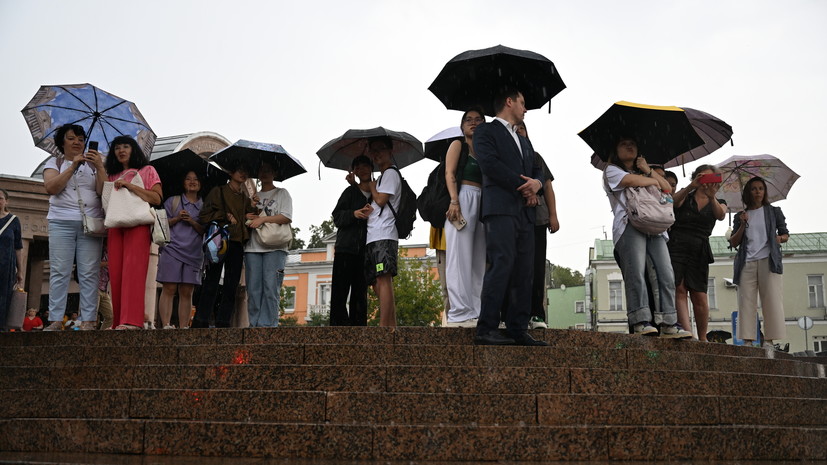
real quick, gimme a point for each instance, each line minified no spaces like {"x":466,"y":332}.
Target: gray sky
{"x":301,"y":73}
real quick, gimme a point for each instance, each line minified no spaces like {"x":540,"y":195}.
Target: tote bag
{"x":123,"y":208}
{"x":275,"y":235}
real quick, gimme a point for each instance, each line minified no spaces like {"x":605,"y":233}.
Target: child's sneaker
{"x":644,"y":329}
{"x":674,"y":332}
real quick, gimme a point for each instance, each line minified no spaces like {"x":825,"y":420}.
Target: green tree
{"x":317,"y":233}
{"x":417,"y":293}
{"x":296,"y":243}
{"x":285,"y":294}
{"x":560,"y":275}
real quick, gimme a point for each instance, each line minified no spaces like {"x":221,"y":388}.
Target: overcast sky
{"x":301,"y":73}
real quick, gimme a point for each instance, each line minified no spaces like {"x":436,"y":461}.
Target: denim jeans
{"x":68,"y":244}
{"x":632,"y":250}
{"x":264,"y":275}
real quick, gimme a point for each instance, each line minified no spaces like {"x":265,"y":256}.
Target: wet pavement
{"x":53,"y":458}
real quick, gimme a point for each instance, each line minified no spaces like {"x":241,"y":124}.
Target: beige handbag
{"x":275,"y":235}
{"x":123,"y":208}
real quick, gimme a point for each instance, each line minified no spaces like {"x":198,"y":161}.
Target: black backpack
{"x":434,"y":200}
{"x":407,"y":208}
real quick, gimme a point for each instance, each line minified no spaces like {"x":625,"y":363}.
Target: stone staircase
{"x":406,"y":394}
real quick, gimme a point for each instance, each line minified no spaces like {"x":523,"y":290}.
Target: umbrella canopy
{"x":737,"y":170}
{"x":174,"y":167}
{"x":437,"y":146}
{"x":661,"y":132}
{"x":102,"y":115}
{"x":340,"y":152}
{"x":719,"y":336}
{"x":714,"y":132}
{"x":475,"y":77}
{"x":252,"y":154}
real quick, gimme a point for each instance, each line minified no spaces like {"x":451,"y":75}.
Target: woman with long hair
{"x":696,"y":211}
{"x":74,"y":181}
{"x":464,"y":232}
{"x":11,"y":256}
{"x":129,"y":248}
{"x":180,"y":261}
{"x":627,"y":169}
{"x":758,"y":232}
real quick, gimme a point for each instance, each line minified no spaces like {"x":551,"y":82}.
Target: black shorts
{"x":380,"y":259}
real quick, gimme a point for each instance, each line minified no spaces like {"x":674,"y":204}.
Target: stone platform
{"x":404,"y":394}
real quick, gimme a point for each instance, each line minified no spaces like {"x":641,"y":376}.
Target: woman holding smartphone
{"x":696,"y":211}
{"x":73,"y":181}
{"x":464,"y":232}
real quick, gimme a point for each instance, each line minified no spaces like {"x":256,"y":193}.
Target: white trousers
{"x":465,"y":251}
{"x":756,"y":278}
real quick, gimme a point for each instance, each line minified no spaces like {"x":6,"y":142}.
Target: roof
{"x":804,"y":243}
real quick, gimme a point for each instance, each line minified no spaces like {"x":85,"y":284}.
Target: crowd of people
{"x":490,"y":249}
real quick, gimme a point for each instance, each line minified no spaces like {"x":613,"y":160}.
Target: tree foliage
{"x":296,"y":243}
{"x":560,"y":275}
{"x":416,"y":291}
{"x":317,"y":233}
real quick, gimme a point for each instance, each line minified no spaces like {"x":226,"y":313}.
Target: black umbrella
{"x":475,"y":77}
{"x":174,"y":167}
{"x":251,"y":154}
{"x":437,"y":146}
{"x":715,"y":132}
{"x":662,"y":133}
{"x":718,"y":335}
{"x":340,"y":152}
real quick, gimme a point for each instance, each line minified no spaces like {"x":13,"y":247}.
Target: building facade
{"x":805,"y":264}
{"x":568,"y":308}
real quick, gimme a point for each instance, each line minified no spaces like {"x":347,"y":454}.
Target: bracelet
{"x":455,"y":202}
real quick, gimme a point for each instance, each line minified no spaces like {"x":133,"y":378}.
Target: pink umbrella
{"x":737,"y":170}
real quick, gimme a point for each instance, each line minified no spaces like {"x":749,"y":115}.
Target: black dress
{"x":689,"y":244}
{"x":10,"y":241}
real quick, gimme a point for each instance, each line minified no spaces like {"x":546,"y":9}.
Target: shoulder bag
{"x":91,"y":226}
{"x":277,"y":236}
{"x":125,"y":209}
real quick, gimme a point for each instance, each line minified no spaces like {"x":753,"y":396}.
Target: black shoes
{"x":493,"y":338}
{"x":525,"y":339}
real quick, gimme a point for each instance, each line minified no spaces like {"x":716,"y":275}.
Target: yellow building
{"x":805,"y":264}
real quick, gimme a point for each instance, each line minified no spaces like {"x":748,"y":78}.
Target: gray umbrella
{"x":340,"y":152}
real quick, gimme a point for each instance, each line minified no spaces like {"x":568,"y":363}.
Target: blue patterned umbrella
{"x":251,"y":154}
{"x":104,"y":116}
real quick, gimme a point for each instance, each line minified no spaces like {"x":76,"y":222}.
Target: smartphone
{"x":710,"y":178}
{"x":459,"y":223}
{"x":93,"y":145}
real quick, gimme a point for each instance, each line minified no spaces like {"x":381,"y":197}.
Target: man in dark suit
{"x":511,"y":181}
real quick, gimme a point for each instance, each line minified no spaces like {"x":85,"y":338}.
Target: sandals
{"x":127,"y":328}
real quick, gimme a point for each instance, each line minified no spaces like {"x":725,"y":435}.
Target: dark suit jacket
{"x":502,"y":163}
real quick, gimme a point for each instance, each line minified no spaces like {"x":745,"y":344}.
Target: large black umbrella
{"x":251,"y":154}
{"x":340,"y":152}
{"x":475,"y":77}
{"x":174,"y":167}
{"x":661,"y":132}
{"x":437,"y":146}
{"x":715,"y":132}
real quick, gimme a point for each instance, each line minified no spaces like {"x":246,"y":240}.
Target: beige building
{"x":805,"y":265}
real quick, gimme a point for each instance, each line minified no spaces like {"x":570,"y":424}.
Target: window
{"x":820,"y":345}
{"x":815,"y":290}
{"x":615,"y":296}
{"x":289,"y":294}
{"x":710,"y":294}
{"x":580,"y":307}
{"x":580,"y":326}
{"x":324,"y":294}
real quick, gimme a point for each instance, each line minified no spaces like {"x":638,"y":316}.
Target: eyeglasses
{"x":473,"y":120}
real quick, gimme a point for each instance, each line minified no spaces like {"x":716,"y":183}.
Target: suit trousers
{"x":509,"y":242}
{"x":756,"y":278}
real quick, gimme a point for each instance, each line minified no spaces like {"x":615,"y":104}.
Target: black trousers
{"x":509,"y":244}
{"x":349,"y":277}
{"x":538,"y":283}
{"x":232,"y":265}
